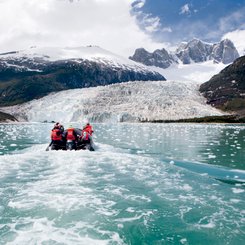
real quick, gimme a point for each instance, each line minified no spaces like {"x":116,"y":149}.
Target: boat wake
{"x":111,"y":196}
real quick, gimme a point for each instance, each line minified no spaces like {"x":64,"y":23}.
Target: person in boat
{"x":57,"y":141}
{"x":85,"y":140}
{"x":71,"y":138}
{"x":88,"y":128}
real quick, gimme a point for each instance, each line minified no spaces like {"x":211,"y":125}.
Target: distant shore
{"x":5,"y":117}
{"x":209,"y":119}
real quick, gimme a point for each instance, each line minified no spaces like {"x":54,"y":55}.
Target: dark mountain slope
{"x":227,"y":89}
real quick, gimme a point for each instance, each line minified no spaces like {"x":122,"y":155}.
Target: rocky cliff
{"x":227,"y":89}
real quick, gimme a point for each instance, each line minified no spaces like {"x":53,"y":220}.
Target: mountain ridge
{"x":193,"y":51}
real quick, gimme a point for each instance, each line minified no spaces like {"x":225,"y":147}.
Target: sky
{"x":181,"y":20}
{"x":120,"y":26}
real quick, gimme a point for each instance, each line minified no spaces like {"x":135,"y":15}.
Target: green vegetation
{"x":235,"y":104}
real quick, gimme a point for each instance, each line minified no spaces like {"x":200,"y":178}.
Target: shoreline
{"x":8,"y":118}
{"x":210,"y":119}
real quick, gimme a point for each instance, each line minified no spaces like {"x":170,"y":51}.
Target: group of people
{"x":71,"y":138}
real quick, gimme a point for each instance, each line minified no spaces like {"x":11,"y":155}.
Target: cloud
{"x":237,"y":37}
{"x":147,"y":22}
{"x":107,"y":23}
{"x":185,"y":9}
{"x":139,"y":4}
{"x":228,"y":22}
{"x":167,"y":29}
{"x":151,"y":24}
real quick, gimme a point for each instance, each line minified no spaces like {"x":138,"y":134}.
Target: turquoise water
{"x":144,"y":184}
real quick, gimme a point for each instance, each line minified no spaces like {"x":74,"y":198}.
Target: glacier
{"x":124,"y":102}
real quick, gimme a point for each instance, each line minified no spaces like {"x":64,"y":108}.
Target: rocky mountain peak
{"x":188,"y":52}
{"x":224,"y":52}
{"x":194,"y":51}
{"x":160,"y":57}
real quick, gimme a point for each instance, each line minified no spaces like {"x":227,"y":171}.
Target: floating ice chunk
{"x":186,"y":187}
{"x":237,"y":190}
{"x":235,"y":200}
{"x":183,"y":241}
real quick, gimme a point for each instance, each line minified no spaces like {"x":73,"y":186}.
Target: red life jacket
{"x":88,"y":128}
{"x":70,"y":134}
{"x":56,"y":134}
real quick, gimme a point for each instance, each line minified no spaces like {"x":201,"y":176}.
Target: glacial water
{"x":144,"y":184}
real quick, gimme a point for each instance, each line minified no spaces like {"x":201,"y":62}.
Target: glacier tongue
{"x":124,"y":102}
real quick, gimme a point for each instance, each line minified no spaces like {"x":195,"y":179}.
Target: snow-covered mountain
{"x":198,"y":51}
{"x":35,"y":72}
{"x":195,"y":51}
{"x":124,"y":102}
{"x":37,"y":55}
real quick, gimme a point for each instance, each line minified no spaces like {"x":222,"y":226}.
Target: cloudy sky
{"x":180,"y":20}
{"x":118,"y":25}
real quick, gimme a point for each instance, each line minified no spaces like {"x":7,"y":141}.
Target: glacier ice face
{"x":124,"y":102}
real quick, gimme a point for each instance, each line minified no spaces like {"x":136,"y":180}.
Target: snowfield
{"x":195,"y":72}
{"x":35,"y":55}
{"x":124,"y":102}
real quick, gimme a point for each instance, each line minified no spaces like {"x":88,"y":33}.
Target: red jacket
{"x":71,"y":135}
{"x":56,"y":134}
{"x":88,"y":128}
